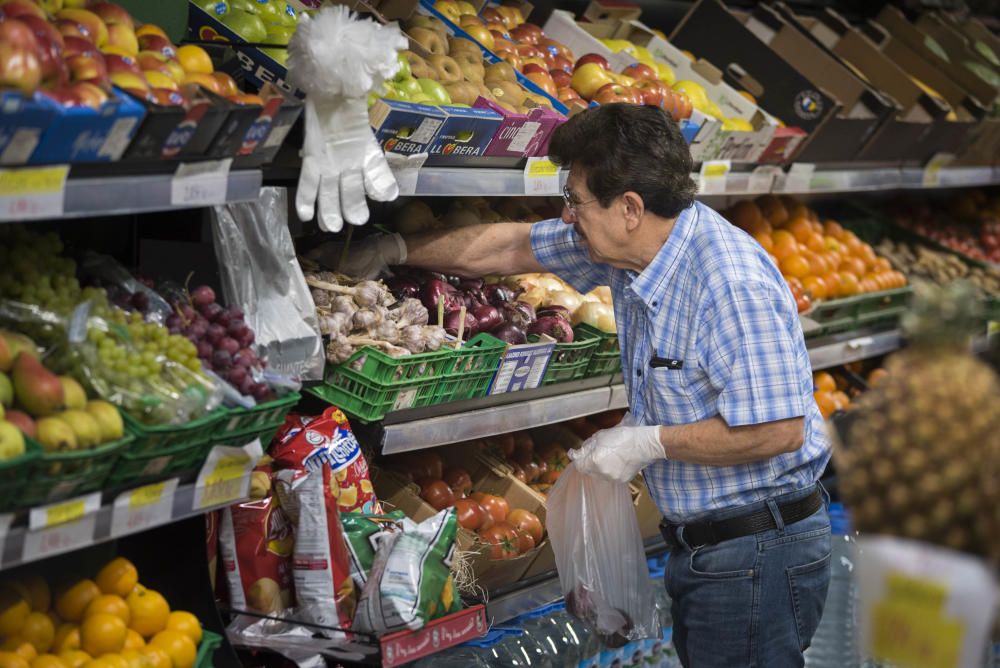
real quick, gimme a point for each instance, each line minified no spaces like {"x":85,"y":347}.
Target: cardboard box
{"x":24,"y":121}
{"x":282,"y":119}
{"x":464,"y":136}
{"x":172,"y":132}
{"x":611,"y":11}
{"x":82,"y":134}
{"x":521,"y":135}
{"x":960,"y":51}
{"x":405,"y":127}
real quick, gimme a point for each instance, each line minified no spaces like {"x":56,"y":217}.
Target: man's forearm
{"x":715,"y":443}
{"x":476,"y":250}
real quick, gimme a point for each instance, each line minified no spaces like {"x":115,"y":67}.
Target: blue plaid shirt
{"x":714,"y":300}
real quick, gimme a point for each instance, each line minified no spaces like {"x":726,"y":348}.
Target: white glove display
{"x":619,"y":453}
{"x":367,"y":258}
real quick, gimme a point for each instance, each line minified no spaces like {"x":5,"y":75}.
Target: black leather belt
{"x":698,"y":534}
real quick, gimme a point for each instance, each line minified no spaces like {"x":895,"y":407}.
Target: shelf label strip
{"x":143,"y":507}
{"x":61,"y":527}
{"x":541,"y":177}
{"x":713,"y":177}
{"x":33,"y":192}
{"x":200,"y":183}
{"x":225,"y":476}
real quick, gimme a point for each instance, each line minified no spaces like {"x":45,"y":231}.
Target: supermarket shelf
{"x":459,"y":181}
{"x":951,"y":177}
{"x":851,"y":347}
{"x":141,"y":193}
{"x":22,"y":545}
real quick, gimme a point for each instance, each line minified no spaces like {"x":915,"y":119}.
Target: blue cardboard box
{"x":23,"y":121}
{"x":83,"y":134}
{"x":465,"y":133}
{"x":405,"y":127}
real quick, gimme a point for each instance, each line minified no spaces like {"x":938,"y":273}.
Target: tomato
{"x":470,"y":514}
{"x":428,"y":464}
{"x":522,"y":458}
{"x":436,"y":493}
{"x":532,"y":470}
{"x":496,"y":506}
{"x":459,"y":481}
{"x":528,"y":522}
{"x":543,"y":468}
{"x":523,"y":442}
{"x":499,"y":539}
{"x":551,"y":477}
{"x":525,"y":543}
{"x":504,"y":443}
{"x":519,"y":473}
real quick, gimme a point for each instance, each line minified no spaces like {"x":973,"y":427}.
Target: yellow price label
{"x":911,"y":627}
{"x":146,"y":495}
{"x":65,"y":512}
{"x":715,"y":170}
{"x":542,"y":168}
{"x":229,"y":467}
{"x":32,"y":181}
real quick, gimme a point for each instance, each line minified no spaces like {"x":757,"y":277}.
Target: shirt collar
{"x":648,"y":285}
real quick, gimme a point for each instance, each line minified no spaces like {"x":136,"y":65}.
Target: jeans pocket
{"x":808,"y":584}
{"x":735,"y":558}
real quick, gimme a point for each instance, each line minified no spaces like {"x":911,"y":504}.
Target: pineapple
{"x":921,"y":456}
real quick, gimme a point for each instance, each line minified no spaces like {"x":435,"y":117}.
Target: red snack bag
{"x":255,"y":543}
{"x":327,"y":444}
{"x":294,"y":423}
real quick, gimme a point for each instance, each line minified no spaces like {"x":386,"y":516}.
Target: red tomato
{"x":470,"y":514}
{"x":532,"y":471}
{"x":525,"y":543}
{"x":519,"y":473}
{"x":504,"y":443}
{"x":500,"y":542}
{"x":459,"y":481}
{"x":428,"y":465}
{"x":436,"y":493}
{"x":496,"y":506}
{"x":523,"y":442}
{"x":522,"y":520}
{"x":510,"y":534}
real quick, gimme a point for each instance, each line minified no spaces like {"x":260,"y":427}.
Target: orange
{"x":111,"y":604}
{"x":133,"y":640}
{"x":156,"y":657}
{"x":882,"y":265}
{"x":832,"y":228}
{"x":20,"y":647}
{"x":39,"y":631}
{"x":118,"y":576}
{"x":817,"y":226}
{"x":841,"y":399}
{"x":73,"y":601}
{"x":853,"y":244}
{"x":900,"y":278}
{"x":832,"y":281}
{"x":782,"y":236}
{"x":796,"y":210}
{"x":867,"y":253}
{"x":149,"y":611}
{"x":35,"y":590}
{"x":852,"y":265}
{"x":193,"y":59}
{"x":102,"y":633}
{"x":772,"y":209}
{"x":745,"y":214}
{"x":784,"y":248}
{"x":815,"y":286}
{"x":11,"y":660}
{"x":814,"y":242}
{"x":48,"y":661}
{"x":795,"y":285}
{"x":764,"y":239}
{"x":14,"y":611}
{"x":760,"y":227}
{"x":848,"y":284}
{"x":826,"y":403}
{"x":800,"y":229}
{"x":133,"y":658}
{"x":67,"y":637}
{"x":794,"y":265}
{"x":101,"y":662}
{"x":876,"y":376}
{"x":817,"y":263}
{"x":186,"y":623}
{"x":824,"y":381}
{"x":832,"y":243}
{"x":179,"y":648}
{"x":115,"y":660}
{"x":74,"y":658}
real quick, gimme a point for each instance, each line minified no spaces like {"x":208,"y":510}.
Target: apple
{"x":588,"y":78}
{"x":64,"y":95}
{"x":246,"y":25}
{"x":499,"y":30}
{"x":215,"y":8}
{"x":394,"y":93}
{"x":269,"y":12}
{"x":612,"y":92}
{"x":567,"y":96}
{"x":122,"y":64}
{"x":50,"y":46}
{"x":19,"y":68}
{"x":405,"y":71}
{"x":640,"y":71}
{"x":466,"y":20}
{"x":592,"y":58}
{"x":482,"y":35}
{"x":528,"y":51}
{"x":653,"y":91}
{"x":533,"y":66}
{"x":684,"y":105}
{"x":492,"y":15}
{"x":19,"y":35}
{"x":465,"y":8}
{"x":153,"y":61}
{"x":122,"y":37}
{"x":248,"y":6}
{"x":169,"y":97}
{"x":501,"y":45}
{"x":435,"y":91}
{"x":112,"y":14}
{"x":11,"y":441}
{"x":289,"y":17}
{"x":527,"y":33}
{"x":561,"y":78}
{"x":502,"y":71}
{"x":279,"y":34}
{"x":75,"y":46}
{"x":68,"y":28}
{"x":512,"y":59}
{"x":247,"y":99}
{"x":157,"y":79}
{"x":278,"y":54}
{"x":200,"y":79}
{"x":89,"y":94}
{"x":557,"y":48}
{"x":159,"y":44}
{"x":562,"y":63}
{"x":226,"y":84}
{"x":409,"y":87}
{"x":15,"y":8}
{"x":543,"y":80}
{"x":665,"y":73}
{"x":88,"y":68}
{"x":129,"y":80}
{"x":448,"y":9}
{"x":150,"y":29}
{"x":95,"y":26}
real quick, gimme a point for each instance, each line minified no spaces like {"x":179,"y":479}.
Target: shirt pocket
{"x":679,"y":396}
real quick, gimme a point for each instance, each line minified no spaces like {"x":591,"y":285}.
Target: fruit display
{"x":921,"y":459}
{"x":74,"y":55}
{"x":256,"y":21}
{"x":819,"y":259}
{"x":109,"y":620}
{"x":967,"y":223}
{"x":837,"y":389}
{"x":921,"y":262}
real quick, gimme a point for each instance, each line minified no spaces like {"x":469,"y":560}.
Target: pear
{"x":73,"y":392}
{"x":22,"y":421}
{"x":12,"y":343}
{"x":11,"y":441}
{"x":6,"y":391}
{"x":37,"y":389}
{"x":108,"y":419}
{"x":55,"y":435}
{"x":84,"y":426}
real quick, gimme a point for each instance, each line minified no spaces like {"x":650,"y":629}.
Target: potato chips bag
{"x":255,"y":545}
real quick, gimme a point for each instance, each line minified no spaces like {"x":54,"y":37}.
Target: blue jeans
{"x":752,"y":601}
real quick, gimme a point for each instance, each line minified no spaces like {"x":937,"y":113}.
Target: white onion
{"x":603,"y":293}
{"x":569,"y":300}
{"x":596,"y":315}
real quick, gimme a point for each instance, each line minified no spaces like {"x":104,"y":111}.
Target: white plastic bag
{"x":600,"y":557}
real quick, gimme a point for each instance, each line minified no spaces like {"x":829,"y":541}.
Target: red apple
{"x":533,"y":66}
{"x":498,"y":29}
{"x":562,"y":63}
{"x":529,"y":51}
{"x":170,"y":97}
{"x":157,"y":43}
{"x":70,"y":28}
{"x":568,"y":95}
{"x":19,"y":68}
{"x":640,"y":71}
{"x":64,"y":95}
{"x":13,"y":8}
{"x":556,"y":48}
{"x":153,"y":61}
{"x":593,"y":58}
{"x":543,"y":81}
{"x":129,"y":80}
{"x":684,"y":106}
{"x":90,"y":94}
{"x":75,"y":46}
{"x":589,"y":78}
{"x":116,"y":63}
{"x":88,"y":68}
{"x":653,"y":91}
{"x":501,"y":45}
{"x":141,"y":93}
{"x":512,"y":59}
{"x":50,"y":45}
{"x":612,"y":92}
{"x":491,"y":14}
{"x":560,"y":78}
{"x":527,"y":33}
{"x":111,"y":13}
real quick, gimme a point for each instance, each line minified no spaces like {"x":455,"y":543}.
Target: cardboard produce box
{"x":83,"y":134}
{"x":24,"y":120}
{"x":906,"y":135}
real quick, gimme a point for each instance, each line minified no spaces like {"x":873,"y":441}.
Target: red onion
{"x":521,"y":314}
{"x":452,"y":320}
{"x":487,"y":317}
{"x":555,"y":326}
{"x":510,"y":333}
{"x":553,"y":309}
{"x":470,"y":284}
{"x":433,"y":289}
{"x":403,"y":287}
{"x":497,"y":294}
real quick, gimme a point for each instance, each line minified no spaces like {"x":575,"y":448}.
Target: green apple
{"x":246,"y":25}
{"x":434,"y":91}
{"x":404,"y":68}
{"x":458,"y":104}
{"x":278,"y":54}
{"x":393,"y":92}
{"x":248,"y":6}
{"x":372,"y":99}
{"x":409,"y":87}
{"x":6,"y":392}
{"x":289,"y":17}
{"x":269,"y":12}
{"x":217,"y":8}
{"x":279,"y":34}
{"x":421,"y":98}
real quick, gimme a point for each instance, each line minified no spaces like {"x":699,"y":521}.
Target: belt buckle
{"x":710,"y":537}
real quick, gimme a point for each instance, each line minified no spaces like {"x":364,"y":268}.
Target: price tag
{"x":713,"y":177}
{"x":225,"y":476}
{"x":61,"y":527}
{"x":932,"y":170}
{"x":799,"y":178}
{"x":143,"y":507}
{"x":32,"y":192}
{"x":762,"y":179}
{"x":200,"y":183}
{"x":541,"y":177}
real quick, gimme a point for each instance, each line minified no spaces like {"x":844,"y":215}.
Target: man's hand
{"x":619,"y":453}
{"x":365,"y":259}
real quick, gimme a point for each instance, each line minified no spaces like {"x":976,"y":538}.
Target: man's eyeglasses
{"x":570,"y":202}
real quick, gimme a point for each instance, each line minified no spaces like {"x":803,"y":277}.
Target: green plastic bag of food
{"x":410,"y":582}
{"x":362,"y":533}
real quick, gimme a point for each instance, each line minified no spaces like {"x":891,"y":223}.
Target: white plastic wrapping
{"x":600,"y":557}
{"x":261,"y":275}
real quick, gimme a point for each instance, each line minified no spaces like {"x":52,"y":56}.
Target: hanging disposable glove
{"x":619,"y":453}
{"x":336,"y":59}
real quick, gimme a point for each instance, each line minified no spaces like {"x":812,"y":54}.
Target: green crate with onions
{"x":371,"y":383}
{"x":607,"y":357}
{"x":471,"y":369}
{"x":569,"y":361}
{"x":57,"y":475}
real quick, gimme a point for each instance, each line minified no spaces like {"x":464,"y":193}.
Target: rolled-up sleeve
{"x":557,"y":247}
{"x":751,"y":357}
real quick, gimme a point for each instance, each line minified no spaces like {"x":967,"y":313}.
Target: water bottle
{"x":486,"y":649}
{"x":518,"y":648}
{"x":834,"y":644}
{"x":585,"y":640}
{"x":557,"y":632}
{"x":462,"y":656}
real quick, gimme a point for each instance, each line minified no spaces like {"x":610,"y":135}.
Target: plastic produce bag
{"x":261,"y":275}
{"x":600,"y":557}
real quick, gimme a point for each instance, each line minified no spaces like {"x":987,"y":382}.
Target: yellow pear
{"x":55,"y":435}
{"x":108,"y":419}
{"x":84,"y":426}
{"x":73,"y":394}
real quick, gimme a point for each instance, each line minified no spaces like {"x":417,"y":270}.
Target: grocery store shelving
{"x":851,"y":347}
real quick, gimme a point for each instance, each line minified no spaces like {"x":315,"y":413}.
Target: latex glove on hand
{"x":367,"y":258}
{"x":619,"y":453}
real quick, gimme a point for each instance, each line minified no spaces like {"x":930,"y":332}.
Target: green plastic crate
{"x":149,"y":466}
{"x":14,"y":475}
{"x":471,"y":370}
{"x":371,"y":383}
{"x":206,"y":649}
{"x":569,"y":361}
{"x":607,"y":357}
{"x":58,"y":475}
{"x":261,"y":415}
{"x":156,"y":439}
{"x":850,"y":313}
